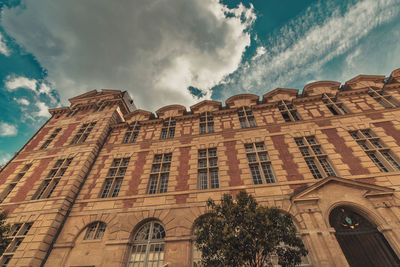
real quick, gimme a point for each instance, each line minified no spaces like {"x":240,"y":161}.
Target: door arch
{"x":361,"y":242}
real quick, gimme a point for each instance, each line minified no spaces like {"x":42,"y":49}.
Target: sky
{"x":180,"y":51}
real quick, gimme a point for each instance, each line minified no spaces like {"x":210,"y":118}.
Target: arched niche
{"x":88,"y":246}
{"x":361,"y":242}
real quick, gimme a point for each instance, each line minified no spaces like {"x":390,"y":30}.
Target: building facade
{"x":105,"y":184}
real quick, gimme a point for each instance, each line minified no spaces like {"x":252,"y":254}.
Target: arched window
{"x":95,"y":231}
{"x":148,"y":246}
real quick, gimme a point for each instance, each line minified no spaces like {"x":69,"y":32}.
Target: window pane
{"x":255,"y":173}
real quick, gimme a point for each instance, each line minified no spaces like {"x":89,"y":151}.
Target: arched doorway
{"x":361,"y":242}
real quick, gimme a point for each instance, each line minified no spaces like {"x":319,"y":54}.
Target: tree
{"x":4,"y":229}
{"x":242,"y":233}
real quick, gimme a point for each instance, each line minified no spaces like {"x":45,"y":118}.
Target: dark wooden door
{"x":361,"y":243}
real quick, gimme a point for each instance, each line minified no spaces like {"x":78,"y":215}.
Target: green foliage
{"x":242,"y":233}
{"x":4,"y":229}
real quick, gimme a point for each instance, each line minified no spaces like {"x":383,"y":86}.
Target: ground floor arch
{"x":361,"y":242}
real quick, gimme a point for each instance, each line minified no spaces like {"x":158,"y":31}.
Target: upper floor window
{"x":334,"y":105}
{"x":16,"y":235}
{"x":289,"y":113}
{"x":113,"y":182}
{"x":246,"y":117}
{"x":50,"y":139}
{"x":83,"y":133}
{"x":316,"y":160}
{"x":159,"y":175}
{"x":95,"y":231}
{"x":53,"y":178}
{"x":206,"y":122}
{"x":382,"y":98}
{"x":11,"y":186}
{"x":132,"y":132}
{"x":259,"y":160}
{"x":376,"y":150}
{"x":168,"y":128}
{"x":208,"y":168}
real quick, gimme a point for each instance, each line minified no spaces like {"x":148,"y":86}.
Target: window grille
{"x":376,"y":150}
{"x":148,"y":246}
{"x":11,"y":186}
{"x":288,"y":112}
{"x":383,"y":98}
{"x":206,"y":122}
{"x":334,"y":105}
{"x":168,"y":128}
{"x":16,"y":236}
{"x":246,"y":117}
{"x":315,"y":158}
{"x":113,"y":182}
{"x":208,"y":168}
{"x":53,"y":178}
{"x":132,"y":132}
{"x":259,"y":160}
{"x":95,"y":231}
{"x":83,"y":133}
{"x":159,"y":175}
{"x":50,"y":139}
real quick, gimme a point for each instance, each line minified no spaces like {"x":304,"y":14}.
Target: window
{"x":208,"y":168}
{"x":73,"y":112}
{"x":289,"y":113}
{"x":100,"y":106}
{"x":315,"y":158}
{"x":16,"y":236}
{"x":148,"y":246}
{"x":382,"y":98}
{"x":334,"y":105}
{"x":259,"y":160}
{"x":11,"y":186}
{"x":50,"y":139}
{"x":246,"y":117}
{"x":132,"y":132}
{"x":376,"y":150}
{"x":159,"y":175}
{"x":206,"y":122}
{"x":95,"y":231}
{"x":53,"y":178}
{"x":113,"y":182}
{"x":168,"y":129}
{"x":83,"y":133}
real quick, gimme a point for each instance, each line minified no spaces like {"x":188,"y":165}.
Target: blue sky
{"x":167,"y":52}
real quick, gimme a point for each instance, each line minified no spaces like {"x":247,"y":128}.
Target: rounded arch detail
{"x":368,"y":214}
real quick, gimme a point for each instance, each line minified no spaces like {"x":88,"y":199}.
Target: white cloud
{"x":153,"y":49}
{"x":14,"y":82}
{"x":22,"y":101}
{"x":7,"y":129}
{"x":4,"y":158}
{"x":43,"y":110}
{"x":3,"y":47}
{"x":304,"y":46}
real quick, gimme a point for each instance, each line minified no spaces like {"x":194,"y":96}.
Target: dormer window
{"x":168,"y":129}
{"x":289,"y":113}
{"x":246,"y":117}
